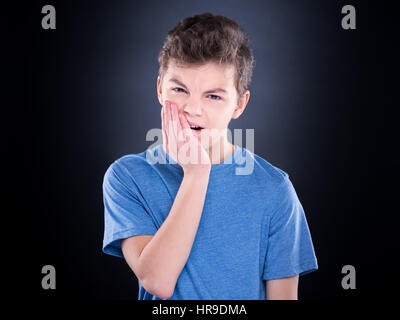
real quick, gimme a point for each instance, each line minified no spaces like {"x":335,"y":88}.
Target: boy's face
{"x":205,"y":94}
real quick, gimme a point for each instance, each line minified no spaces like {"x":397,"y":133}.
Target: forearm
{"x":164,"y":257}
{"x":282,"y":289}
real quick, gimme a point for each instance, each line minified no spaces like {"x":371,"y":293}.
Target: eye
{"x":215,"y":97}
{"x":177,"y":88}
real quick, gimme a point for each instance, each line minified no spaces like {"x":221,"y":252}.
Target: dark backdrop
{"x":83,"y":95}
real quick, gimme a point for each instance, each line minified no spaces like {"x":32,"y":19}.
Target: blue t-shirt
{"x":253,"y":227}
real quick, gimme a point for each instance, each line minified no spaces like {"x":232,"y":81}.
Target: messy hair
{"x":208,"y":38}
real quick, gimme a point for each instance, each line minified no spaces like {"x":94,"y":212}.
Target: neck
{"x":226,"y":149}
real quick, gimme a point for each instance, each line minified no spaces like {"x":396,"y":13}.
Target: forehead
{"x":210,"y":72}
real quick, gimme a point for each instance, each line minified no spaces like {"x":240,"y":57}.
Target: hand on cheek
{"x":180,"y":143}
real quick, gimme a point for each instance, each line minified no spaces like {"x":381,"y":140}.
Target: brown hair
{"x":207,"y":38}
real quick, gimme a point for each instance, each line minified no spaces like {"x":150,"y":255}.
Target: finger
{"x":185,"y":126}
{"x":185,"y":123}
{"x":163,"y":128}
{"x":181,"y":133}
{"x":172,"y":140}
{"x":175,"y":120}
{"x":168,"y":118}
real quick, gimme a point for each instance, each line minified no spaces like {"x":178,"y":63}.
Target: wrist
{"x":203,"y":171}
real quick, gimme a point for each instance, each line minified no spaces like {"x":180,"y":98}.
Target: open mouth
{"x":195,"y":128}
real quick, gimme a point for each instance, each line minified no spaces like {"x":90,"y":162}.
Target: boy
{"x":191,"y":227}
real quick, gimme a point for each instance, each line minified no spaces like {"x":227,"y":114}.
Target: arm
{"x":163,"y":258}
{"x":282,"y":289}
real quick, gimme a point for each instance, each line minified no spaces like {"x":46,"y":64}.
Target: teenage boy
{"x":191,"y":227}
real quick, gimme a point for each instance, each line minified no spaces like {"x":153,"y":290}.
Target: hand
{"x":179,"y":141}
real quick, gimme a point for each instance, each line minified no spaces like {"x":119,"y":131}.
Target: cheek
{"x":174,"y":97}
{"x":171,"y":94}
{"x":219,"y":117}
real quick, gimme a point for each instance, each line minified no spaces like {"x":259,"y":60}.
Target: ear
{"x":241,"y":105}
{"x":159,"y":92}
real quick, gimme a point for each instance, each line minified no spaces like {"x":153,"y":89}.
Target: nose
{"x":193,"y":108}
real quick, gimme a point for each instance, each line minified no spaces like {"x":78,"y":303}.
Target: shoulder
{"x":125,"y":168}
{"x":282,"y":192}
{"x":267,"y":171}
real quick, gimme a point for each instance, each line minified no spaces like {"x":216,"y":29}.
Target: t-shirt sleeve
{"x":290,"y":250}
{"x":124,"y":214}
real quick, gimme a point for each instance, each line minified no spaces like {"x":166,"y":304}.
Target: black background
{"x":81,"y":96}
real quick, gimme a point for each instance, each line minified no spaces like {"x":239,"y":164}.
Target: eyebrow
{"x":208,"y":91}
